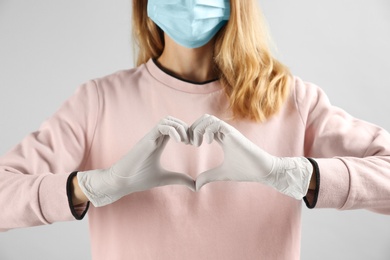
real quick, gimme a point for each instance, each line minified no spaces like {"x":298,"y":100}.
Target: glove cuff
{"x":291,"y":176}
{"x":92,"y":183}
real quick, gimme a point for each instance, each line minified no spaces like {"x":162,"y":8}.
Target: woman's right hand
{"x":139,"y":169}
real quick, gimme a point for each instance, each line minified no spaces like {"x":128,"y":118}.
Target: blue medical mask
{"x":190,"y":23}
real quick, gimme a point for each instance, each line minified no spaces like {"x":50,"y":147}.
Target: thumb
{"x":175,"y":178}
{"x":216,"y":174}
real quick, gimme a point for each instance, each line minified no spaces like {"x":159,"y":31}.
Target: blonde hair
{"x":255,"y":82}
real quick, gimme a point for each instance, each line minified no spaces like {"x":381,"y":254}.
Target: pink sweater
{"x":224,"y":220}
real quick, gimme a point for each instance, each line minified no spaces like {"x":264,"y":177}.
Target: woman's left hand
{"x":246,"y":162}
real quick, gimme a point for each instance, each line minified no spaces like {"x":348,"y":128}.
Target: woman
{"x":258,"y":113}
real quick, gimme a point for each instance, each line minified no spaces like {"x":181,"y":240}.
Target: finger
{"x":181,"y":127}
{"x":196,"y":139}
{"x":173,"y":125}
{"x":218,"y":130}
{"x":174,"y":178}
{"x":170,"y":131}
{"x":199,"y":120}
{"x":211,"y":127}
{"x":212,"y":131}
{"x":199,"y":127}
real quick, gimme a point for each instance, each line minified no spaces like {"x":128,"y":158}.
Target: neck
{"x":195,"y":65}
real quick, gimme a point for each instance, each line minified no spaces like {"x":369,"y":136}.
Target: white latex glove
{"x":246,"y":162}
{"x":139,"y":169}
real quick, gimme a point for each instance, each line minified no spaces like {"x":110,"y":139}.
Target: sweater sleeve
{"x":353,"y":156}
{"x":34,"y":174}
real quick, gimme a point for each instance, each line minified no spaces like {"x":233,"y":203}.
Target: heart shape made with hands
{"x":140,"y":169}
{"x":242,"y":158}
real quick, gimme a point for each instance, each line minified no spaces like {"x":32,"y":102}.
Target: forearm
{"x":31,"y":200}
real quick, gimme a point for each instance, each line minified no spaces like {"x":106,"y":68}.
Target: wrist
{"x":78,"y":196}
{"x":313,"y":181}
{"x":292,"y":176}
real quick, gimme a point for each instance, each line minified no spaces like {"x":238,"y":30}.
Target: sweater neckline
{"x":179,"y":84}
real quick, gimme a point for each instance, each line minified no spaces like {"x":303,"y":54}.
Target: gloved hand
{"x":246,"y":162}
{"x":139,"y":169}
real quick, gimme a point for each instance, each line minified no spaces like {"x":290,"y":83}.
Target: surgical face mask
{"x":190,"y":23}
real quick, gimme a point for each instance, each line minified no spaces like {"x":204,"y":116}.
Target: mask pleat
{"x":202,"y":12}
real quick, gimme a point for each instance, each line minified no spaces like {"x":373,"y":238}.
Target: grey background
{"x":48,"y":48}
